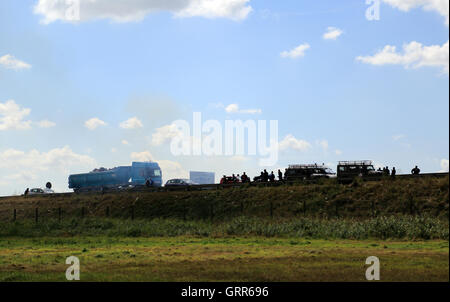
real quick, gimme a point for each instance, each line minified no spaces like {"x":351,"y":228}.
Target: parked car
{"x":36,"y":191}
{"x":179,"y":182}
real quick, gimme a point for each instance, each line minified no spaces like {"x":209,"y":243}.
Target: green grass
{"x":252,"y":258}
{"x":402,"y":227}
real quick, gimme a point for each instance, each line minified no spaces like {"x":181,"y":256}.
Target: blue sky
{"x":340,"y":99}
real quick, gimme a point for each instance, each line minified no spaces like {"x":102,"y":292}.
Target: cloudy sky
{"x":104,"y":90}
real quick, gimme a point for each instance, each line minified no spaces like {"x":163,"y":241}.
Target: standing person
{"x":280,"y":175}
{"x":26,"y":191}
{"x":266,"y":175}
{"x":272,"y":177}
{"x":415,"y":171}
{"x":394,"y":172}
{"x":244,"y":177}
{"x":387,"y":171}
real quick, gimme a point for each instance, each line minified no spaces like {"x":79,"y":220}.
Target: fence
{"x":206,"y":211}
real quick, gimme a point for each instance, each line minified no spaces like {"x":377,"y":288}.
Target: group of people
{"x":266,"y":177}
{"x":235,"y":178}
{"x":388,"y":172}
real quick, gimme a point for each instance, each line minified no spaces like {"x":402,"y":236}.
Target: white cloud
{"x":338,"y":152}
{"x":332,"y":33}
{"x":10,"y":62}
{"x":439,"y":6}
{"x":142,"y":156}
{"x":136,"y":10}
{"x":297,"y":52}
{"x":231,"y":9}
{"x":32,"y":161}
{"x":165,"y":133}
{"x":125,"y":142}
{"x":444,"y":165}
{"x":94,"y":123}
{"x":46,"y":124}
{"x":132,"y":123}
{"x":12,"y":116}
{"x":234,"y":108}
{"x":290,"y":142}
{"x":414,"y":55}
{"x":398,"y":137}
{"x":113,"y":150}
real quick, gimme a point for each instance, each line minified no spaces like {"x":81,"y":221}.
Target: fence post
{"x":36,"y":215}
{"x":82,"y":212}
{"x":242,"y":207}
{"x":271,"y":209}
{"x":373,"y":209}
{"x":304,"y":207}
{"x":107,"y":211}
{"x":15,"y":215}
{"x":184,"y":212}
{"x":337,"y":208}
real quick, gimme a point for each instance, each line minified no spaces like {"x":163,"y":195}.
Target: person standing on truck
{"x":280,"y":175}
{"x":415,"y":171}
{"x":266,"y":176}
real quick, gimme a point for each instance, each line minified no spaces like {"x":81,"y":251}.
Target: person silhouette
{"x":415,"y":171}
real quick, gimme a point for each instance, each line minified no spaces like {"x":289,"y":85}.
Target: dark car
{"x":308,"y":171}
{"x":348,"y":170}
{"x":179,"y":182}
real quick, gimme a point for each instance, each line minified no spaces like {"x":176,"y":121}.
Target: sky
{"x":102,"y":86}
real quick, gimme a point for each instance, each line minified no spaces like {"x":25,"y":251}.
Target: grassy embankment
{"x":421,"y":196}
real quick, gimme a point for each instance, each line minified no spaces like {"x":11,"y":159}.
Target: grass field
{"x":317,"y":232}
{"x":221,"y":259}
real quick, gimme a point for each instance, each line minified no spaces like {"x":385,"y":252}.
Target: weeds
{"x":399,"y":227}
